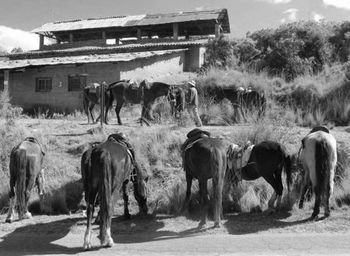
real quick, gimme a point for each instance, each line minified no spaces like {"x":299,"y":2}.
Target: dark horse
{"x":124,"y":91}
{"x":266,"y":159}
{"x":92,"y":97}
{"x":107,"y":168}
{"x":177,"y":99}
{"x":25,"y":171}
{"x":242,"y":99}
{"x":204,"y":158}
{"x":319,"y":158}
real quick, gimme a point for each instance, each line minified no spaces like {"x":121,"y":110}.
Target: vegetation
{"x":303,"y":70}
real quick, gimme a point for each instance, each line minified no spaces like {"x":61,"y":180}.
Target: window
{"x":43,"y":84}
{"x":76,"y":82}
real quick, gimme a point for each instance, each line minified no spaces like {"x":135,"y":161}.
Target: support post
{"x":139,"y":35}
{"x":41,"y":42}
{"x":71,"y":38}
{"x":6,"y":79}
{"x":176,"y":31}
{"x":102,"y":102}
{"x":217,"y":30}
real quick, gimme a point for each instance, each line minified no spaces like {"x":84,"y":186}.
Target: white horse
{"x":319,"y":158}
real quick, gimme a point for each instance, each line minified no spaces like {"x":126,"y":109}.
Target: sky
{"x":244,"y":15}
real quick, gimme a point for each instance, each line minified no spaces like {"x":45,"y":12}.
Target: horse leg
{"x":304,"y":188}
{"x":217,"y":189}
{"x":327,"y":211}
{"x":126,"y":200}
{"x":90,"y":110}
{"x":29,"y":188}
{"x":12,"y":202}
{"x":90,"y":214}
{"x":189,"y":179}
{"x":317,"y":204}
{"x":203,"y":190}
{"x":118,"y":107}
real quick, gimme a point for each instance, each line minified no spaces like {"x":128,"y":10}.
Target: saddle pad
{"x":246,"y":155}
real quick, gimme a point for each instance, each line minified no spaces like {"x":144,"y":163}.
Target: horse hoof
{"x":217,"y":225}
{"x":10,"y":220}
{"x":327,"y":214}
{"x":28,"y":215}
{"x":127,"y":216}
{"x":202,"y":225}
{"x":110,"y":243}
{"x":87,"y":246}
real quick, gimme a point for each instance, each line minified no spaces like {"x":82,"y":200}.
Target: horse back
{"x":119,"y":161}
{"x":206,"y":158}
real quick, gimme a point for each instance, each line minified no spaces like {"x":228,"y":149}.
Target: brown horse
{"x":319,"y":158}
{"x":107,"y":168}
{"x":266,"y":159}
{"x":92,"y":97}
{"x":204,"y":158}
{"x":25,"y":170}
{"x":124,"y":91}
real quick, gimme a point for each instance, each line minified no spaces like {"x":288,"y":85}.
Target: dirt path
{"x":243,"y":234}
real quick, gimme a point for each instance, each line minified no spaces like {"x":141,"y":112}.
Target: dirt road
{"x":244,"y":234}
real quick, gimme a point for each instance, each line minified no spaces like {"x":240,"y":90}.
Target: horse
{"x":242,"y":99}
{"x":125,"y":91}
{"x":319,"y":158}
{"x":204,"y":158}
{"x":266,"y":159}
{"x":92,"y":97}
{"x":107,"y":168}
{"x":177,"y":99}
{"x":26,"y":161}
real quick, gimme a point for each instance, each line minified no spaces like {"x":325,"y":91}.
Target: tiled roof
{"x":81,"y":59}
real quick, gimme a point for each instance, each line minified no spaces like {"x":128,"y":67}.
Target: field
{"x":61,"y":225}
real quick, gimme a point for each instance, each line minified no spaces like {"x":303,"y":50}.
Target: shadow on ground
{"x":37,"y":239}
{"x":248,"y":223}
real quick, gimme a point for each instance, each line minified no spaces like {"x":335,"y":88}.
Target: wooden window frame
{"x":43,"y":84}
{"x":76,"y":85}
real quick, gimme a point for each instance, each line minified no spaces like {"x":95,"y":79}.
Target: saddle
{"x":193,"y":136}
{"x":246,"y":152}
{"x":120,"y":139}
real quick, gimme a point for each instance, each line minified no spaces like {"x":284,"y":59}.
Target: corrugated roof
{"x":93,"y":58}
{"x":137,"y":47}
{"x":134,"y":20}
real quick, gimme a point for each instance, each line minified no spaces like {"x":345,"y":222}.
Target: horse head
{"x":141,"y":189}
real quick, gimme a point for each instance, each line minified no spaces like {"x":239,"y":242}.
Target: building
{"x":107,"y":49}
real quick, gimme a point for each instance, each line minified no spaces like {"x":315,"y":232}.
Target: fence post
{"x":102,"y":102}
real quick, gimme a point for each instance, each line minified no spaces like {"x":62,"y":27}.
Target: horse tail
{"x":322,"y":166}
{"x":20,"y":163}
{"x":288,"y":170}
{"x":105,"y":190}
{"x":218,"y":165}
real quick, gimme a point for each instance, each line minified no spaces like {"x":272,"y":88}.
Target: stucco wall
{"x":22,"y":84}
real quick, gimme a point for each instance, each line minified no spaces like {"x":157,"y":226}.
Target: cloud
{"x":317,"y":17}
{"x":343,"y":4}
{"x":292,"y":15}
{"x":276,"y":1}
{"x":12,"y":38}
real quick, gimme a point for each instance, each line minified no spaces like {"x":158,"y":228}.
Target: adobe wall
{"x":22,"y":84}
